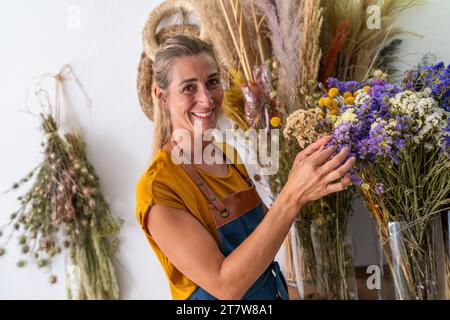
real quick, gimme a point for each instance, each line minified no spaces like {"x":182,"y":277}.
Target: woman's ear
{"x":161,"y":96}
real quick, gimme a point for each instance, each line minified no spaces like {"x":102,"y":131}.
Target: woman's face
{"x":195,"y":92}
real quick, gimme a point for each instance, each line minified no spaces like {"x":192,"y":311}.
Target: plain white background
{"x":104,"y":52}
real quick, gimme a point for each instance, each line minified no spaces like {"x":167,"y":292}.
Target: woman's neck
{"x":195,"y":148}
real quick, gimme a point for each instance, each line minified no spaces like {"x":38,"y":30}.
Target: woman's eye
{"x":213,"y":83}
{"x":189,"y":88}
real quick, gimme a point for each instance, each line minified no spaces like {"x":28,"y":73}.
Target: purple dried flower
{"x":379,"y":189}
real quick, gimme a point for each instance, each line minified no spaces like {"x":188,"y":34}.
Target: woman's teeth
{"x":202,"y":115}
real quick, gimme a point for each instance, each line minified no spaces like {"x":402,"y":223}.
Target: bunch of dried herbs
{"x":64,"y":210}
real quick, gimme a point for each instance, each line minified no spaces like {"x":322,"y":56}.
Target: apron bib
{"x":235,"y":217}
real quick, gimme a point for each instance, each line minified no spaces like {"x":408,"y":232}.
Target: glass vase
{"x":446,"y":231}
{"x":333,"y":251}
{"x":415,"y":256}
{"x":299,"y":275}
{"x":323,"y":258}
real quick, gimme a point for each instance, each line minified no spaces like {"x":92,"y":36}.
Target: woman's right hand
{"x":313,"y":172}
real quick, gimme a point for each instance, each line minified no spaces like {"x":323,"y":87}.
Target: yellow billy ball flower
{"x":334,"y":104}
{"x":366,"y":89}
{"x":334,"y":112}
{"x":355,"y":93}
{"x":322,"y":102}
{"x":350,"y":100}
{"x":347,"y":94}
{"x":334,"y":108}
{"x":328,"y":101}
{"x":333,"y":92}
{"x":275,"y":122}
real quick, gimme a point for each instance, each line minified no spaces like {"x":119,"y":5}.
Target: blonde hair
{"x":176,"y":46}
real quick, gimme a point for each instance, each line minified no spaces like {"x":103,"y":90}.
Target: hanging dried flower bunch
{"x":65,"y":210}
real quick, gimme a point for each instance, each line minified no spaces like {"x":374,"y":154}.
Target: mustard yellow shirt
{"x":166,"y":183}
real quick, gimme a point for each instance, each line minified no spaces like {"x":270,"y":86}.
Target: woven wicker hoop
{"x":164,"y":10}
{"x":145,"y":71}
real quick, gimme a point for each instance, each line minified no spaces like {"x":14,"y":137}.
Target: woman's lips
{"x":203,"y":115}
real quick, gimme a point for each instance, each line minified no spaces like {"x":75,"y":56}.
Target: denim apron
{"x":235,"y":217}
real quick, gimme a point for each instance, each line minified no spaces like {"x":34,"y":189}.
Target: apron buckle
{"x":225,"y":213}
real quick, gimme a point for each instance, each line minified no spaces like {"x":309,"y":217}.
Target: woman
{"x":205,"y":221}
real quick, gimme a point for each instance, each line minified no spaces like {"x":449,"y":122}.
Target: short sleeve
{"x":150,"y":192}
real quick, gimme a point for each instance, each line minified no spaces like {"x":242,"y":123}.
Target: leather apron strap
{"x":190,"y":170}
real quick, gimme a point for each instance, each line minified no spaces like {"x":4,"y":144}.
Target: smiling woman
{"x":206,"y":222}
{"x":194,"y":92}
{"x":187,"y":87}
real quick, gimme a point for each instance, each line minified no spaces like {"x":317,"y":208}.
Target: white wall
{"x":104,"y":52}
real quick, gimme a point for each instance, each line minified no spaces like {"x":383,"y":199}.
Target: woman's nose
{"x":204,"y":96}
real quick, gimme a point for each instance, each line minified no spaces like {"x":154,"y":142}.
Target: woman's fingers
{"x":323,"y":155}
{"x":334,"y":162}
{"x":339,"y":172}
{"x":314,"y":147}
{"x":339,"y":186}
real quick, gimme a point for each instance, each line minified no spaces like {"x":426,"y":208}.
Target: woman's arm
{"x":190,"y":247}
{"x":193,"y":251}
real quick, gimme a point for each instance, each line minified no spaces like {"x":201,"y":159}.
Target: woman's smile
{"x":195,"y":93}
{"x":204,"y":115}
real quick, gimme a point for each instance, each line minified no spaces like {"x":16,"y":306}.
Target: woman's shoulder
{"x":160,"y":183}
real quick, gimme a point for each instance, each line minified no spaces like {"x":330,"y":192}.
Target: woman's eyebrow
{"x":212,"y":75}
{"x":188,"y":80}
